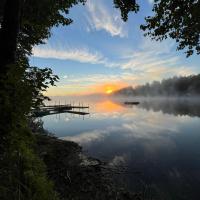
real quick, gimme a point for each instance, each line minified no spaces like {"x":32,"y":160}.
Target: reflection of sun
{"x":108,"y":106}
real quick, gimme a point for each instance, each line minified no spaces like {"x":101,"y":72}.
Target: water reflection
{"x":108,"y":106}
{"x":180,"y":106}
{"x":160,"y":140}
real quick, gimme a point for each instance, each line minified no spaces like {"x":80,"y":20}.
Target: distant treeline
{"x":176,"y":86}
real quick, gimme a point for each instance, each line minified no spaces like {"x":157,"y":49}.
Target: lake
{"x":155,"y":145}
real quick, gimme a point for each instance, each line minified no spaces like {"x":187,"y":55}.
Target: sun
{"x":109,"y":91}
{"x":110,"y":88}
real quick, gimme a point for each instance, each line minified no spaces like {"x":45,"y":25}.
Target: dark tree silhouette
{"x":9,"y":32}
{"x":177,"y":19}
{"x":126,"y":6}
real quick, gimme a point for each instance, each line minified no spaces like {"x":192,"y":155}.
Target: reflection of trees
{"x":175,"y":106}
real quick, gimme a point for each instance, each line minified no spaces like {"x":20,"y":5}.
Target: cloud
{"x":100,"y":18}
{"x":151,"y":55}
{"x":80,"y":55}
{"x":151,"y":61}
{"x":95,"y":78}
{"x":154,"y":61}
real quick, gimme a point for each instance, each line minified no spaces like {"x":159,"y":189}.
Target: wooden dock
{"x":78,"y":113}
{"x":58,"y":109}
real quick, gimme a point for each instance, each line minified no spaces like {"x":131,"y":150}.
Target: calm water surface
{"x":156,"y":142}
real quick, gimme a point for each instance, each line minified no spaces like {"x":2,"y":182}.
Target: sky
{"x":99,"y":53}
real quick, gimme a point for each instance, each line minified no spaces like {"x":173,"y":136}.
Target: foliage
{"x":38,"y":19}
{"x":176,"y":19}
{"x":38,"y":80}
{"x":176,"y":86}
{"x":126,"y":6}
{"x":22,"y":173}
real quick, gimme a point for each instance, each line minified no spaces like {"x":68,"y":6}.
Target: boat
{"x":131,"y":102}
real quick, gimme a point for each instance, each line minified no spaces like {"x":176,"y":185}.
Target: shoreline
{"x":75,"y":175}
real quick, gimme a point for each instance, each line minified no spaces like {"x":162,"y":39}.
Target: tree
{"x":176,"y":86}
{"x":24,"y":24}
{"x":176,"y":19}
{"x":126,"y":6}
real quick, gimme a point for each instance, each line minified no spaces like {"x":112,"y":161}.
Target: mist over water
{"x":168,"y":105}
{"x":156,"y":143}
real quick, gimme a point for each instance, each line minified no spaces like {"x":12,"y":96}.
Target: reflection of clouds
{"x":66,"y":119}
{"x":147,"y":129}
{"x":181,"y":106}
{"x":148,"y":121}
{"x":101,"y":116}
{"x":133,"y":129}
{"x":153,"y":146}
{"x":87,"y":137}
{"x":56,"y":120}
{"x":162,"y":147}
{"x":136,"y":124}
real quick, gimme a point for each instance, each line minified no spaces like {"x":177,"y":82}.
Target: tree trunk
{"x":9,"y":31}
{"x":8,"y":34}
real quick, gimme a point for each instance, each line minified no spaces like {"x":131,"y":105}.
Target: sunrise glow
{"x":77,"y":89}
{"x":109,"y":88}
{"x":109,"y":91}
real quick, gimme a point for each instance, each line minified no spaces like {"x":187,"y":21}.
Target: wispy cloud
{"x":100,"y":18}
{"x":80,"y":55}
{"x":150,"y":55}
{"x":154,"y":61}
{"x":95,"y":78}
